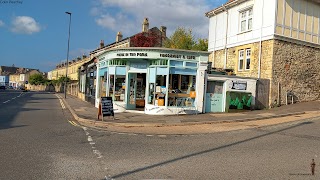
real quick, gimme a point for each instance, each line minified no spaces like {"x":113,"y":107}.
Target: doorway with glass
{"x":136,"y":91}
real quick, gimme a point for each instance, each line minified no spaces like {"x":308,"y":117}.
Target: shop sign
{"x":107,"y":106}
{"x":177,"y":56}
{"x":239,"y":85}
{"x":132,"y":54}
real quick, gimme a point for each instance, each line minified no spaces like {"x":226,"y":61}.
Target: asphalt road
{"x":38,"y":142}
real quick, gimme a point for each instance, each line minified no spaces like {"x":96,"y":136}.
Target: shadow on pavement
{"x":204,"y":152}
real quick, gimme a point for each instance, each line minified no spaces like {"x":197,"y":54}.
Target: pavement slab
{"x":129,"y":122}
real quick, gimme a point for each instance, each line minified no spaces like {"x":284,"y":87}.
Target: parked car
{"x":3,"y":87}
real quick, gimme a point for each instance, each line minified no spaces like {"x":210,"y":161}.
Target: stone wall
{"x":233,"y":55}
{"x":263,"y":86}
{"x":296,"y":68}
{"x":217,"y":59}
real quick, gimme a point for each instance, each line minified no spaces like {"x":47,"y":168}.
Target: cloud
{"x":127,"y":16}
{"x":119,"y":22}
{"x":25,"y":25}
{"x":1,"y":23}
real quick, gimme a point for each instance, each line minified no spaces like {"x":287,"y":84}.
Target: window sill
{"x":244,"y":70}
{"x":244,"y":32}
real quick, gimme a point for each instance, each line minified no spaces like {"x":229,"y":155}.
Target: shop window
{"x":176,"y":63}
{"x":161,"y":90}
{"x":120,"y":85}
{"x":159,"y":62}
{"x":152,"y":92}
{"x":117,"y":87}
{"x":103,"y":86}
{"x":191,"y":64}
{"x":118,"y":62}
{"x":111,"y":86}
{"x":181,"y":90}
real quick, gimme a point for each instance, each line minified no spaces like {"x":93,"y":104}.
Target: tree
{"x":62,"y":79}
{"x":183,"y":39}
{"x":36,"y":79}
{"x":202,"y":45}
{"x":146,"y":39}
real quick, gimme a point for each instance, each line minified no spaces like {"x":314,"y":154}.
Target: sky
{"x":34,"y":33}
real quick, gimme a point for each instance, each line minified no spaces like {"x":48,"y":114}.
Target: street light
{"x":65,"y":81}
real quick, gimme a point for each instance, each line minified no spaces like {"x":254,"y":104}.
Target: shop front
{"x":153,"y":80}
{"x":229,"y":93}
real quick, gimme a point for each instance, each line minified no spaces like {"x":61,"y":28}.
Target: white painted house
{"x":274,"y":41}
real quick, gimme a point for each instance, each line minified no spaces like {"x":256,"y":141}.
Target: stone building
{"x":60,"y":70}
{"x":275,"y":41}
{"x":127,"y":42}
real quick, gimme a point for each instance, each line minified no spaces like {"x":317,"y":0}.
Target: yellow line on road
{"x":73,"y":123}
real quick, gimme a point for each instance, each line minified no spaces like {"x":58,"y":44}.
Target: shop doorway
{"x":214,"y":96}
{"x":136,"y":91}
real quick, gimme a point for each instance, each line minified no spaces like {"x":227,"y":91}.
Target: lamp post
{"x":65,"y":81}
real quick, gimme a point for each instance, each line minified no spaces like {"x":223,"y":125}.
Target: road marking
{"x":73,"y":123}
{"x":14,"y":97}
{"x":62,"y":105}
{"x":92,"y":143}
{"x":6,"y":101}
{"x":61,"y":102}
{"x":89,"y":138}
{"x":132,"y":134}
{"x":97,"y":152}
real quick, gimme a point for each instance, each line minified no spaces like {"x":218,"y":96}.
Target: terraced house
{"x":274,"y":41}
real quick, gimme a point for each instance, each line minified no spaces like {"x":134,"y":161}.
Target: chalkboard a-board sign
{"x":106,"y":107}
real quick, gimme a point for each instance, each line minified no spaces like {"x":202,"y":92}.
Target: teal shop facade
{"x":153,"y":81}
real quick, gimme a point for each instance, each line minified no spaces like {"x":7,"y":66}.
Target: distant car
{"x":3,"y":87}
{"x":10,"y":87}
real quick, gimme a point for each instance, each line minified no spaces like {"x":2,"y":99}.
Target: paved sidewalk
{"x":86,"y":114}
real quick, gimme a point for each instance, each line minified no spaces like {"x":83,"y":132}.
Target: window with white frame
{"x":244,"y":59}
{"x":248,"y":54}
{"x":241,"y":58}
{"x":246,"y":20}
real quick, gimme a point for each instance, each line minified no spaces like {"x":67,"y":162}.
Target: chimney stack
{"x":101,"y":44}
{"x":145,"y":25}
{"x":163,"y":30}
{"x":119,"y":37}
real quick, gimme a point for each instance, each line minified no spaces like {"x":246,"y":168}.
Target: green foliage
{"x":36,"y":79}
{"x":202,"y":45}
{"x":62,"y":79}
{"x":183,"y":39}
